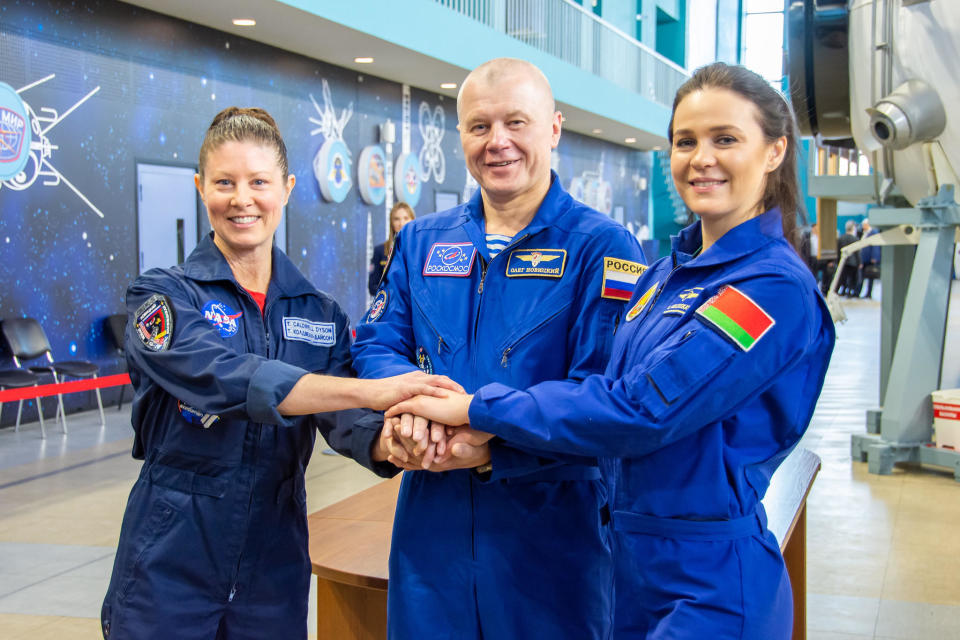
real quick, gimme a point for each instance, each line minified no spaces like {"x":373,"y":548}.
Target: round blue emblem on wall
{"x":225,"y":319}
{"x":332,"y":167}
{"x":406,"y":178}
{"x":14,"y":133}
{"x":372,"y":174}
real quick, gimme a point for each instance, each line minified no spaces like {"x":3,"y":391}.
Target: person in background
{"x":519,"y":285}
{"x":713,"y":378}
{"x":870,"y":259}
{"x":400,"y":214}
{"x":850,"y":270}
{"x":236,"y":361}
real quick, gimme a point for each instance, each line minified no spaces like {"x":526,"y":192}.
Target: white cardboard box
{"x":946,"y":418}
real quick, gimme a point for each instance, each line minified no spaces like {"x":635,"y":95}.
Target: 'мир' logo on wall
{"x":14,"y":133}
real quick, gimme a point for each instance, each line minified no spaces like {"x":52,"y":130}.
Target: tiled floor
{"x":883,"y":551}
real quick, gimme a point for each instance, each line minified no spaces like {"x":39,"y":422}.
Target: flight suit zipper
{"x":504,"y":360}
{"x":440,"y":341}
{"x":234,"y":585}
{"x":483,"y":276}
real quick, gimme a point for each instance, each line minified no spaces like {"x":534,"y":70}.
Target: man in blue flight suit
{"x":519,"y":285}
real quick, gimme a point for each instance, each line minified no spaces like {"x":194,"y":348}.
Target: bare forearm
{"x":314,"y":393}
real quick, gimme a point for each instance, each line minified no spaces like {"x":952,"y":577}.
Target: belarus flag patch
{"x":620,"y":278}
{"x":736,"y":316}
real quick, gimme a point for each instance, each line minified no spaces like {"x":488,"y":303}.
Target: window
{"x":763,"y":39}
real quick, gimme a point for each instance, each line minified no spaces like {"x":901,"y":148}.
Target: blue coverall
{"x":521,"y":554}
{"x":214,"y":537}
{"x":691,"y":424}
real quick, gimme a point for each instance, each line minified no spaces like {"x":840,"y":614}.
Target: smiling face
{"x":720,"y":158}
{"x":244,"y":190}
{"x":508,"y":127}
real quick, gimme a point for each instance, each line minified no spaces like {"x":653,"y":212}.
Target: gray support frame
{"x":916,"y":294}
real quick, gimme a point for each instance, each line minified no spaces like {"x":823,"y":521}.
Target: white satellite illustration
{"x":39,"y":163}
{"x":432,"y":159}
{"x":332,"y":165}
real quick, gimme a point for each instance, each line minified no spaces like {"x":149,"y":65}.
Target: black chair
{"x":28,"y":341}
{"x":19,"y":379}
{"x":116,"y":326}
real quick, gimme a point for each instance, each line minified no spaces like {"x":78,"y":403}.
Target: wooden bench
{"x":350,"y":544}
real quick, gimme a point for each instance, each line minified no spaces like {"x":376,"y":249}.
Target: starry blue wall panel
{"x":147,"y":87}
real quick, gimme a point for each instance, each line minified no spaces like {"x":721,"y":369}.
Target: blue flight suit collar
{"x":554,"y":206}
{"x":207,"y":264}
{"x":745,"y":238}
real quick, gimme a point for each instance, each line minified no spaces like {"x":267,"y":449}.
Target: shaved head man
{"x":498,"y":541}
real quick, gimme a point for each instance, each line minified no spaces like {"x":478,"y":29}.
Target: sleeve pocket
{"x":685,"y":371}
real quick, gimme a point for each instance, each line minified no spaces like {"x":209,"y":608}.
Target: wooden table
{"x":350,"y":544}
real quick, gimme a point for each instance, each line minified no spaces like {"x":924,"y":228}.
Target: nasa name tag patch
{"x":224,"y":319}
{"x":536,"y":263}
{"x":154,"y":323}
{"x":450,"y":259}
{"x":195,"y":416}
{"x":319,"y":334}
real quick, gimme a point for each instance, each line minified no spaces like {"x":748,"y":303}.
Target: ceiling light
{"x":363,"y":60}
{"x":598,"y":130}
{"x":629,"y":140}
{"x":448,"y":85}
{"x":244,"y":22}
{"x":658,"y":148}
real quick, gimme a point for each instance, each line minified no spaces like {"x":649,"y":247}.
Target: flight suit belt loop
{"x":753,"y":524}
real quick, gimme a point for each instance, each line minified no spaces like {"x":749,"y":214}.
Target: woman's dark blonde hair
{"x":388,"y":245}
{"x":234,"y":124}
{"x":776,"y":119}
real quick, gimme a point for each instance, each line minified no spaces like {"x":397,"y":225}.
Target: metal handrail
{"x":566,"y":30}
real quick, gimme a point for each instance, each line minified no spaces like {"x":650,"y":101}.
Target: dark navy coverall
{"x":691,"y":419}
{"x":214,"y":537}
{"x":522,"y":554}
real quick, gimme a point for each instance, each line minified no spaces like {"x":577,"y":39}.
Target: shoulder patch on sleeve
{"x":154,"y":323}
{"x":620,"y":278}
{"x":378,"y":306}
{"x":735,"y":315}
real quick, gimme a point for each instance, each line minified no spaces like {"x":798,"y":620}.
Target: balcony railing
{"x":566,"y":30}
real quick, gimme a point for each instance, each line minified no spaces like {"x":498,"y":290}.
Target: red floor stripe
{"x":44,"y":390}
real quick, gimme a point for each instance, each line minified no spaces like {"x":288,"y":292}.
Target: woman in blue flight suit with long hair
{"x":713,"y":379}
{"x":233,"y":355}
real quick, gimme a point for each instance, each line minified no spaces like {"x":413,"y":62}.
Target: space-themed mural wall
{"x":90,"y":89}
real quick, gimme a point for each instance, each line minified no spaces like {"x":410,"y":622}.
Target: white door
{"x":166,"y":214}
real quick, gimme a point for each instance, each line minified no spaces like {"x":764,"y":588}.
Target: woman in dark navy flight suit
{"x":712,"y":381}
{"x":232,"y":356}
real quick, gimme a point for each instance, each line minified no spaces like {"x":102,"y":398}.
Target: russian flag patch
{"x":620,"y":278}
{"x":736,"y":316}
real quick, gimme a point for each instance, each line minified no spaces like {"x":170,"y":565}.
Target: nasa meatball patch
{"x":450,"y":259}
{"x":154,"y":323}
{"x":224,"y":319}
